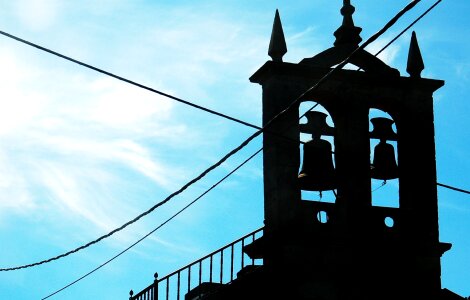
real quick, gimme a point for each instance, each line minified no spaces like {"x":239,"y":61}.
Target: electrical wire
{"x":127,"y":80}
{"x":374,"y":37}
{"x":166,"y":94}
{"x":205,"y":109}
{"x":381,"y":186}
{"x":179,"y":191}
{"x":453,"y":188}
{"x":186,"y":207}
{"x":408,"y":27}
{"x":155,"y":229}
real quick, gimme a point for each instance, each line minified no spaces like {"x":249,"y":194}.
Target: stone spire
{"x":415,"y":61}
{"x":277,"y":45}
{"x":347,"y":33}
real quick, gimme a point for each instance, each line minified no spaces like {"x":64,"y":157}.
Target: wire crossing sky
{"x":128,"y":80}
{"x":130,"y":146}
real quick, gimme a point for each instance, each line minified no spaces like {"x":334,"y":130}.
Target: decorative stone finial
{"x":277,"y":45}
{"x":347,"y":33}
{"x":415,"y":61}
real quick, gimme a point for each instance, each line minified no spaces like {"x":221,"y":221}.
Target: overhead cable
{"x":408,"y":27}
{"x":127,"y":80}
{"x":205,"y":109}
{"x":166,"y":94}
{"x":155,"y":229}
{"x":453,"y":188}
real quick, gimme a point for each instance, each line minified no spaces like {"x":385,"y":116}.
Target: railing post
{"x":155,"y":287}
{"x":131,"y":293}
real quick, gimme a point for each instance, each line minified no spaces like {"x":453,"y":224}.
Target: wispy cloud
{"x":73,"y":142}
{"x":38,"y":14}
{"x":389,"y":54}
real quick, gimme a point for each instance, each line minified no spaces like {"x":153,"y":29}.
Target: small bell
{"x":317,"y":172}
{"x":384,"y":165}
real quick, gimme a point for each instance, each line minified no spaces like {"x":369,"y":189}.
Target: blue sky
{"x":82,"y":153}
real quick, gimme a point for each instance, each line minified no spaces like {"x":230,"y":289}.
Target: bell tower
{"x":350,"y":252}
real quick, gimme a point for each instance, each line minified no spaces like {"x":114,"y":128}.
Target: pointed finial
{"x":415,"y":61}
{"x":347,"y":33}
{"x":277,"y":45}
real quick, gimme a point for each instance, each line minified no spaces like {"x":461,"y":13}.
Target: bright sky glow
{"x":82,"y":153}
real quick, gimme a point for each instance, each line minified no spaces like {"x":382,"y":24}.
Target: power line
{"x":187,"y":206}
{"x":136,"y":83}
{"x":235,"y":150}
{"x":453,"y":188}
{"x":171,"y":96}
{"x":408,"y":27}
{"x":183,"y":188}
{"x":166,"y":94}
{"x":155,"y":229}
{"x":128,"y":80}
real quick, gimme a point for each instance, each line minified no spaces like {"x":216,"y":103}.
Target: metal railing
{"x":211,"y":271}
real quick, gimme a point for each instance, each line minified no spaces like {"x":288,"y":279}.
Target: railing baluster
{"x":210,"y":276}
{"x":155,"y":287}
{"x":253,"y":240}
{"x":221,"y":266}
{"x":231,"y":263}
{"x":167,"y":288}
{"x":189,"y":278}
{"x":243,"y":254}
{"x":200,"y":272}
{"x":178,"y":288}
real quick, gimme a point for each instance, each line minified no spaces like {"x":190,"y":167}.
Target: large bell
{"x":317,"y":172}
{"x":384,"y":165}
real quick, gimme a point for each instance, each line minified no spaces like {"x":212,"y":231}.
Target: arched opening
{"x":384,"y":163}
{"x":317,"y":180}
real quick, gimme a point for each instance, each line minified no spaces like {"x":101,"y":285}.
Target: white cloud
{"x":19,"y":105}
{"x":462,"y":71}
{"x":59,"y":139}
{"x":66,"y":132}
{"x":121,"y":105}
{"x":14,"y":189}
{"x":38,"y":14}
{"x":389,"y":54}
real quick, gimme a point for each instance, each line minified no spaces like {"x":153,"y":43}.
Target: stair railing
{"x":217,"y":267}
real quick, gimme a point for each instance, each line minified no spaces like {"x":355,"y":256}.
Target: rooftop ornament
{"x":415,"y":63}
{"x":347,"y":33}
{"x":277,"y":45}
{"x":347,"y":40}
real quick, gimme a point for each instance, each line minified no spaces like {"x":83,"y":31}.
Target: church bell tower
{"x":349,"y":248}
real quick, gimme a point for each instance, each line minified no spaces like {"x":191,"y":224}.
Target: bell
{"x":384,"y":165}
{"x":383,"y":129}
{"x":317,"y":172}
{"x":316,"y":124}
